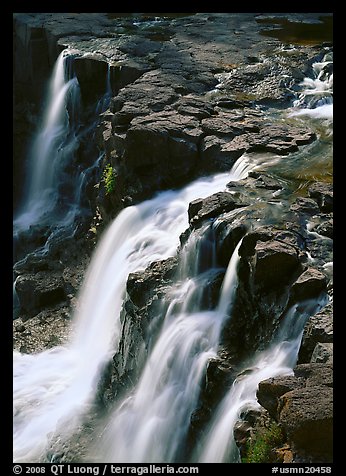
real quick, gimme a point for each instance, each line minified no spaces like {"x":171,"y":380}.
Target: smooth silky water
{"x":54,"y":390}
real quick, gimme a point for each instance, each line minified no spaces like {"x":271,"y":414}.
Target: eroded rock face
{"x":318,"y":329}
{"x":162,"y":129}
{"x":307,"y":413}
{"x":323,"y":194}
{"x":303,"y":405}
{"x":307,"y":416}
{"x":211,"y":207}
{"x":165,"y":126}
{"x":142,"y":309}
{"x":309,"y":284}
{"x":40,"y":290}
{"x":270,"y":390}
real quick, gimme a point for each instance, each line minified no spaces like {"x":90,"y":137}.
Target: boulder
{"x":323,"y":353}
{"x":215,"y":153}
{"x":195,"y":106}
{"x":211,"y":207}
{"x":269,"y":391}
{"x":307,"y":418}
{"x":229,"y":124}
{"x":326,"y":228}
{"x":318,"y":329}
{"x":305,"y":206}
{"x":303,"y":405}
{"x":125,"y":72}
{"x":228,"y":233}
{"x":152,"y":91}
{"x":323,"y":194}
{"x":265,"y":181}
{"x":315,"y":374}
{"x":277,"y":139}
{"x":36,"y":291}
{"x":276,"y":263}
{"x":142,"y":284}
{"x":163,"y":145}
{"x":308,"y":285}
{"x":92,"y":77}
{"x":248,"y":246}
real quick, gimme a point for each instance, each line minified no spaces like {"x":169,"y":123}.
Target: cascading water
{"x":53,"y":146}
{"x":315,"y":100}
{"x":152,"y":422}
{"x":53,"y":195}
{"x":218,"y":445}
{"x":53,"y":389}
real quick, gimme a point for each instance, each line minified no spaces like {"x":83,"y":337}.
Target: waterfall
{"x":152,"y":422}
{"x":53,"y":145}
{"x":54,"y":389}
{"x":218,"y":444}
{"x":315,"y":100}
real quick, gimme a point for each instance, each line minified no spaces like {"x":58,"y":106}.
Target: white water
{"x":53,"y":389}
{"x":315,"y":101}
{"x":52,"y":148}
{"x":151,"y":424}
{"x":218,"y":445}
{"x":316,"y":96}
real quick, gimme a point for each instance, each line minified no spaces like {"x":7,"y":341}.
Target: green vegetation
{"x":109,"y":179}
{"x":259,"y":448}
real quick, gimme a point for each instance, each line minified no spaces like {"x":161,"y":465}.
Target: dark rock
{"x":125,"y":72}
{"x":269,"y":264}
{"x":195,"y":106}
{"x":211,"y":207}
{"x":241,"y":432}
{"x":223,"y":125}
{"x":92,"y":77}
{"x":236,"y":147}
{"x":303,"y":405}
{"x":276,"y":263}
{"x":278,"y":139}
{"x":229,"y":103}
{"x":309,"y":284}
{"x":141,"y":318}
{"x":326,"y":228}
{"x":318,"y":329}
{"x":262,"y":81}
{"x":323,"y":193}
{"x":323,"y":353}
{"x":38,"y":290}
{"x":247,"y":248}
{"x":307,"y":417}
{"x":210,"y":148}
{"x":163,"y":145}
{"x":291,"y":238}
{"x":263,"y":181}
{"x":305,"y":206}
{"x":20,"y":328}
{"x":270,"y":390}
{"x":153,"y":91}
{"x":141,"y":284}
{"x":209,"y":290}
{"x":228,"y":233}
{"x":315,"y":374}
